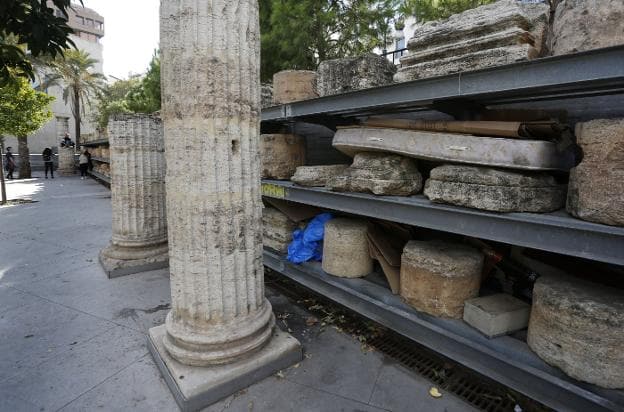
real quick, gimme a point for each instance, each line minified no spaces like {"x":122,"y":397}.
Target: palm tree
{"x":74,"y":73}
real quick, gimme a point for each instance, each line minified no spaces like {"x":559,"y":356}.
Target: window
{"x":99,"y":25}
{"x":90,"y":22}
{"x":80,"y":19}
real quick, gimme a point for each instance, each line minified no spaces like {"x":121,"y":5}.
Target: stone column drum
{"x":220,"y":334}
{"x":345,"y":248}
{"x":438,"y":277}
{"x":139,"y":241}
{"x":293,"y":86}
{"x":66,"y":163}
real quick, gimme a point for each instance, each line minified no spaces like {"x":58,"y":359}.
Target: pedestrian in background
{"x":10,"y":163}
{"x":48,"y":162}
{"x":83,"y":162}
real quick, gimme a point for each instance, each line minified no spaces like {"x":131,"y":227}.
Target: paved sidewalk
{"x":73,"y":340}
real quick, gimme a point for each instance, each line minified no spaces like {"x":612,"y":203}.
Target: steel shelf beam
{"x":99,"y":176}
{"x":100,"y":159}
{"x":597,"y":72}
{"x":505,"y":359}
{"x":554,"y":232}
{"x":95,"y":143}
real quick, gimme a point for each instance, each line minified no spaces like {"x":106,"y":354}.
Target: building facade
{"x":88,"y":28}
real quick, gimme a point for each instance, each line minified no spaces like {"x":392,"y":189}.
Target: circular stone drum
{"x":438,"y":277}
{"x":345,"y":248}
{"x":578,"y":326}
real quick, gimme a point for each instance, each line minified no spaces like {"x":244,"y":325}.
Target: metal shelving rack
{"x":590,"y":84}
{"x":102,"y":178}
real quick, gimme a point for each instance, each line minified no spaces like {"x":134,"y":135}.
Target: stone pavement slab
{"x":73,"y":340}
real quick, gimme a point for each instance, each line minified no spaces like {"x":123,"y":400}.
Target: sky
{"x":130,"y":34}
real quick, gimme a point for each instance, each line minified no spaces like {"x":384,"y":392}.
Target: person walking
{"x":10,"y":163}
{"x":48,"y":162}
{"x":83,"y":161}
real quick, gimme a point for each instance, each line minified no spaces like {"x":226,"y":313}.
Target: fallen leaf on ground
{"x":434,"y":392}
{"x":311,"y":321}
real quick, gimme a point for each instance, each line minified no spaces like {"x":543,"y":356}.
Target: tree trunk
{"x":77,"y":118}
{"x":24,"y":154}
{"x":3,"y":197}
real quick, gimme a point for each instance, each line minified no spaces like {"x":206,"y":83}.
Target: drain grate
{"x":479,"y":391}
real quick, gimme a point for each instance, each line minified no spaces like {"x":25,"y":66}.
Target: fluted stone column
{"x":219,"y":336}
{"x":139,"y":241}
{"x":66,"y":161}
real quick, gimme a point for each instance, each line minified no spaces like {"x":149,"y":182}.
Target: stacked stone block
{"x":438,"y":277}
{"x":596,"y":188}
{"x":578,"y":326}
{"x":293,"y":86}
{"x":354,"y":73}
{"x":380,"y":174}
{"x":281,"y":154}
{"x":504,"y":32}
{"x":345,"y":248}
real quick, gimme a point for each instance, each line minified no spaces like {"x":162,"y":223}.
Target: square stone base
{"x":197,"y":387}
{"x":115,"y":268}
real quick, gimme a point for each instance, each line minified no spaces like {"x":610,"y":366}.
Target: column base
{"x":118,"y":261}
{"x":195,"y":387}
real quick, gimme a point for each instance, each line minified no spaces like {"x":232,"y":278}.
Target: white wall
{"x":47,"y":136}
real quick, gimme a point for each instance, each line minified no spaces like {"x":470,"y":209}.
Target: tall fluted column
{"x":66,"y":161}
{"x":139,"y":241}
{"x":220,"y":319}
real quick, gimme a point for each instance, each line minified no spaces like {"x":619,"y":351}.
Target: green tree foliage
{"x":136,"y":95}
{"x":23,"y":111}
{"x":36,"y":27}
{"x":427,"y":10}
{"x":299,"y":34}
{"x":145,"y":97}
{"x":74,"y":72}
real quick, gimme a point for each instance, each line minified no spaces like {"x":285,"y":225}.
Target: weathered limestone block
{"x":281,"y":154}
{"x":494,"y":189}
{"x":580,"y":25}
{"x":578,"y":326}
{"x":294,"y":85}
{"x":354,"y":73}
{"x":317,"y":175}
{"x":438,"y":277}
{"x":66,"y":161}
{"x":596,"y":188}
{"x":266,"y":95}
{"x":277,"y":229}
{"x":380,"y":174}
{"x":345,"y":248}
{"x":500,"y":33}
{"x":497,"y":315}
{"x":139,"y":241}
{"x":219,"y":335}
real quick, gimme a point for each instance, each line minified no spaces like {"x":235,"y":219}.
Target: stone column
{"x":66,"y":162}
{"x":139,"y":241}
{"x":219,"y":336}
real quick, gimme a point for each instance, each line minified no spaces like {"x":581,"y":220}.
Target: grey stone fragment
{"x":497,"y":315}
{"x":438,"y":277}
{"x":354,"y":73}
{"x":495,"y":190}
{"x":293,"y":86}
{"x":316,"y":175}
{"x":578,"y":326}
{"x":491,"y":35}
{"x":345,"y":248}
{"x":277,"y":229}
{"x":596,"y":189}
{"x":580,"y":25}
{"x":266,"y":95}
{"x":380,"y":174}
{"x":281,"y":154}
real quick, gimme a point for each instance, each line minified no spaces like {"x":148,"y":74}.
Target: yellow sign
{"x":271,"y":190}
